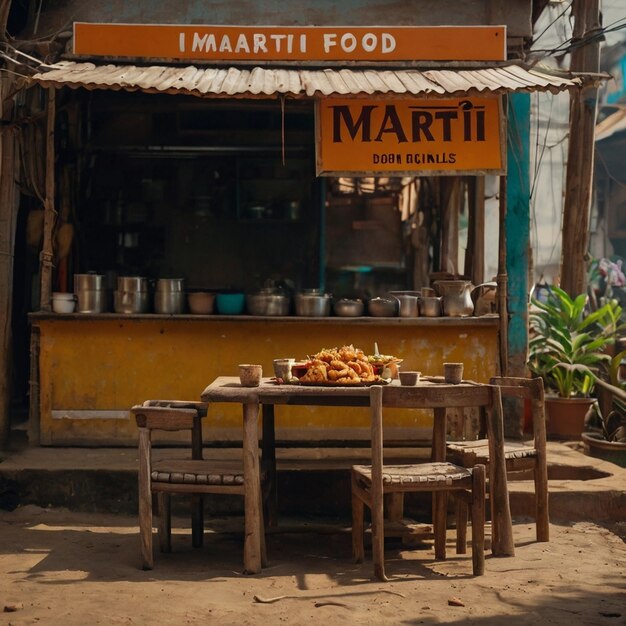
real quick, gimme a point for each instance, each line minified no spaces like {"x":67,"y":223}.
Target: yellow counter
{"x":93,"y":368}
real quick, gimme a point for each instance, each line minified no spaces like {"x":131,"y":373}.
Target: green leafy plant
{"x":567,"y":345}
{"x":609,"y":418}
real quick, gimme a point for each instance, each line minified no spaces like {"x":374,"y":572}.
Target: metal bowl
{"x":308,"y":305}
{"x":383,"y":307}
{"x":273,"y":304}
{"x":346,"y":307}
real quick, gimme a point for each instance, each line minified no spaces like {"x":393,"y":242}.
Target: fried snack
{"x":315,"y":374}
{"x":344,"y":366}
{"x":333,"y":375}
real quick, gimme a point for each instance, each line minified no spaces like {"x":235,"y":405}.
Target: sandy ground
{"x":60,"y":567}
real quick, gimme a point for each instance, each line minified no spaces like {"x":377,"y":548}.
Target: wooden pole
{"x":502,"y":281}
{"x":475,"y":256}
{"x":580,"y":157}
{"x":46,"y":257}
{"x":8,"y":221}
{"x":450,"y":199}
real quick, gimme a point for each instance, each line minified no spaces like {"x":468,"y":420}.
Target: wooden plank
{"x":164,"y":418}
{"x":47,"y":252}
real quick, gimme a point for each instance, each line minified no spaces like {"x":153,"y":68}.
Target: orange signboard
{"x":358,"y":137}
{"x":287,"y":43}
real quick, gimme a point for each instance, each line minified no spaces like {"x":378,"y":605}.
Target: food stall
{"x":251,"y":178}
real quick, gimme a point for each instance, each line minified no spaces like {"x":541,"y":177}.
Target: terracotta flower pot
{"x":598,"y":447}
{"x":566,"y":416}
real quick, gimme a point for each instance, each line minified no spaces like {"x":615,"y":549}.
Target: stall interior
{"x":174,"y":191}
{"x":224,"y":195}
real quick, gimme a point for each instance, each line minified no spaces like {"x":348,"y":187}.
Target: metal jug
{"x":484,"y":298}
{"x":456,"y":297}
{"x":407,"y":303}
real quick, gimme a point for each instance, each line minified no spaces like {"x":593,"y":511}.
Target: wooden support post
{"x":47,"y":252}
{"x":580,"y":157}
{"x":8,"y":220}
{"x":502,"y":281}
{"x":475,"y":255}
{"x":450,"y":199}
{"x":517,"y":243}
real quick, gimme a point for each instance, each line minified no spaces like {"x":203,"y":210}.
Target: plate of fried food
{"x":337,"y":367}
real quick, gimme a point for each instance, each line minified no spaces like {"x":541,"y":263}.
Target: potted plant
{"x":567,"y":346}
{"x":606,"y":434}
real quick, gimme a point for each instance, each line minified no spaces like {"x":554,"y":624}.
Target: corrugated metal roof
{"x":301,"y":82}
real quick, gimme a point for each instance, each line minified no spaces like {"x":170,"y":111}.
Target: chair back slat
{"x":528,"y":389}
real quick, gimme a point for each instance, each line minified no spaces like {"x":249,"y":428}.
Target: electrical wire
{"x":558,"y":17}
{"x":608,"y":172}
{"x":572,"y":43}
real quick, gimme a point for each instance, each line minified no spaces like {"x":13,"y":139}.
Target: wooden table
{"x":426,"y":395}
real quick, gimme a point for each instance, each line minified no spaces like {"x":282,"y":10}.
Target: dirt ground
{"x":61,"y":567}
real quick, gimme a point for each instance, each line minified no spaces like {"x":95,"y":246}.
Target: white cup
{"x":282,"y":368}
{"x":63,"y":302}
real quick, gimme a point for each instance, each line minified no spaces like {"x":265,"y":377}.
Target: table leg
{"x":269,"y":464}
{"x":502,"y":543}
{"x":252,"y":488}
{"x":439,"y":499}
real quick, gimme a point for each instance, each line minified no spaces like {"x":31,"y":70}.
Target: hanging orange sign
{"x":358,"y":137}
{"x":287,"y":43}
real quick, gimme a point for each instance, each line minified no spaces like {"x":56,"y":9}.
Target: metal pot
{"x":170,"y":284}
{"x":311,"y":305}
{"x":345,"y":307}
{"x":430,"y":306}
{"x":88,"y":282}
{"x":91,"y":300}
{"x":132,"y":283}
{"x":169,"y":302}
{"x":268,"y":303}
{"x":407,"y":303}
{"x":131,"y":301}
{"x":383,"y":307}
{"x":90,"y":293}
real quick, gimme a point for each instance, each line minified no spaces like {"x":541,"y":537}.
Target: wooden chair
{"x":371,"y":482}
{"x":194,"y":476}
{"x":519,"y":455}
